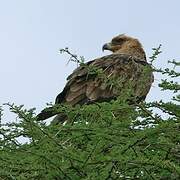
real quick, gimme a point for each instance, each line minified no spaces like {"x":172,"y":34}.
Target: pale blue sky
{"x":32,"y":32}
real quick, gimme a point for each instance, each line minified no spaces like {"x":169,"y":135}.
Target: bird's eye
{"x":116,"y":41}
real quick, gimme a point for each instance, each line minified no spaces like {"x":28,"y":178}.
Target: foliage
{"x":100,"y":141}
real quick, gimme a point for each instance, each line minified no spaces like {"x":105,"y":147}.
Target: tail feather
{"x":45,"y":114}
{"x":48,"y":112}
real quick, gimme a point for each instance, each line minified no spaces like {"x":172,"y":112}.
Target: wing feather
{"x":83,"y":87}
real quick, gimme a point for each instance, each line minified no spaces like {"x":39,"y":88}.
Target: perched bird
{"x":127,"y":66}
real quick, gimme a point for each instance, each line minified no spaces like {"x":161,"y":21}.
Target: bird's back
{"x":106,"y":78}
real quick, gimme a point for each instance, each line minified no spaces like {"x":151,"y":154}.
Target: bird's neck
{"x":139,"y":54}
{"x":133,"y":49}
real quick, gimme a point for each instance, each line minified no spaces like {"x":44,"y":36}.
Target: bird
{"x":127,"y":66}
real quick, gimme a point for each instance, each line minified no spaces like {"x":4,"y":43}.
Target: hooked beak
{"x":106,"y":46}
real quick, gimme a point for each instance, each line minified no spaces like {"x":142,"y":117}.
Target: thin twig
{"x":131,"y":145}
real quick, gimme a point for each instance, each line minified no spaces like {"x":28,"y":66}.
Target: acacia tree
{"x":100,"y":141}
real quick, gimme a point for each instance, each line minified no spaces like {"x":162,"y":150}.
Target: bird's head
{"x":123,"y":44}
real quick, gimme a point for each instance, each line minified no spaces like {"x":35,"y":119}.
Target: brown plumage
{"x":127,"y":66}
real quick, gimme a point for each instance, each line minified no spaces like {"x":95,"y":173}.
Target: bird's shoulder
{"x":117,"y":60}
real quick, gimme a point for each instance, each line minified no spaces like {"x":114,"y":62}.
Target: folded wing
{"x":106,"y":78}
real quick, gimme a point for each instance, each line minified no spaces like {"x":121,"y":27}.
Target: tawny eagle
{"x":127,"y":64}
